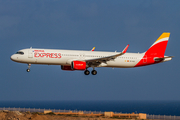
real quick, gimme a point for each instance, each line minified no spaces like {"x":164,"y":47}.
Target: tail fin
{"x":159,"y":47}
{"x":155,"y":53}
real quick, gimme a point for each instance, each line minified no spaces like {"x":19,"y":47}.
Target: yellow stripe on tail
{"x":93,"y":49}
{"x":163,"y":35}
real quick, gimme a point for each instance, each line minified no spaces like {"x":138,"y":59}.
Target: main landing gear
{"x":93,"y":72}
{"x":86,"y":72}
{"x":28,"y":70}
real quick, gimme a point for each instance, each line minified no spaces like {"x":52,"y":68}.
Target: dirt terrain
{"x":16,"y":115}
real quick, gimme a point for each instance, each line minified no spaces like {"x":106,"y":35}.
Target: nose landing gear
{"x":29,"y":65}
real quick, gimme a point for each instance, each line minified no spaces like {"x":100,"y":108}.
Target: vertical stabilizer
{"x":157,"y":50}
{"x":159,"y":47}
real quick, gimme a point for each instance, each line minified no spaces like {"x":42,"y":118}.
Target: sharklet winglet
{"x":125,"y":49}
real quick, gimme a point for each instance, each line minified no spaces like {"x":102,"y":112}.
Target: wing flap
{"x":108,"y":58}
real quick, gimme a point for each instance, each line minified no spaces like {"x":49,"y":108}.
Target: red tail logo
{"x":157,"y":50}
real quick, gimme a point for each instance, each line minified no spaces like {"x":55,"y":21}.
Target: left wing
{"x":93,"y":49}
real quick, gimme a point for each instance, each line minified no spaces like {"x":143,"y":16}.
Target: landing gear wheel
{"x":28,"y":70}
{"x":94,"y":72}
{"x":86,"y":72}
{"x":29,"y":65}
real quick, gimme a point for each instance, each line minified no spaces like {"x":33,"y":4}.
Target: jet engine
{"x":78,"y":65}
{"x":75,"y":65}
{"x":65,"y":67}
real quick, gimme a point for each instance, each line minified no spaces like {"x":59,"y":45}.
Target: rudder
{"x":159,"y":47}
{"x":157,"y":50}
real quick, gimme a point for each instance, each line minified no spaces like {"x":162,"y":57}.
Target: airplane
{"x":71,"y":60}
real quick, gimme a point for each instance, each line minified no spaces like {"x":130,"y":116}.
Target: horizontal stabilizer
{"x":166,"y":58}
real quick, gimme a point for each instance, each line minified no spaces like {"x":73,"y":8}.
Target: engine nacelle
{"x":78,"y":65}
{"x":65,"y":67}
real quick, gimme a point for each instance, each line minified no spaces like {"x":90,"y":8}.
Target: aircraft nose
{"x":13,"y":58}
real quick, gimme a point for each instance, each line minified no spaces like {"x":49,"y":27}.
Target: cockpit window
{"x":19,"y":52}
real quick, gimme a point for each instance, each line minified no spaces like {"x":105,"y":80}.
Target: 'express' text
{"x":47,"y":55}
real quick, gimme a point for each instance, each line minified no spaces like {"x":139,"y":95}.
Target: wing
{"x":105,"y":59}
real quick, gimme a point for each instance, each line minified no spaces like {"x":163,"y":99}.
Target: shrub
{"x":51,"y":113}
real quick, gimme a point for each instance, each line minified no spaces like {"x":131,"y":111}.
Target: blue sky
{"x":81,"y":25}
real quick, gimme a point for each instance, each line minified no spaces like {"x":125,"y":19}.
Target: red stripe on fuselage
{"x":154,"y":51}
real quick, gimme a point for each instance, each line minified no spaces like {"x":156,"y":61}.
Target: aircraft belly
{"x":28,"y":60}
{"x":122,"y":63}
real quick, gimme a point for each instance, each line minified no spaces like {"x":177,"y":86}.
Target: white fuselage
{"x":65,"y":57}
{"x":81,"y":60}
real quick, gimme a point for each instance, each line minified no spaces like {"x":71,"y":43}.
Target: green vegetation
{"x":50,"y":113}
{"x":36,"y":113}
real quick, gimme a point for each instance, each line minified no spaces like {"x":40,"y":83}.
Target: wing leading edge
{"x":105,"y":59}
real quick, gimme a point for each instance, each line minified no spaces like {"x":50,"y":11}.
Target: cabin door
{"x":30,"y":53}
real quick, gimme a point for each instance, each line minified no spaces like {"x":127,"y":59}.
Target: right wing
{"x":105,"y":59}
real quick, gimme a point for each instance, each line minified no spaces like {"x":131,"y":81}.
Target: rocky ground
{"x":16,"y":115}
